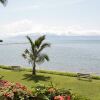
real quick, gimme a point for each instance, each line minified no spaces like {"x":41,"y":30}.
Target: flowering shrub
{"x":13,"y":91}
{"x":51,"y":93}
{"x":16,"y":91}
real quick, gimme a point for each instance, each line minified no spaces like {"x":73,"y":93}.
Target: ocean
{"x":67,"y":53}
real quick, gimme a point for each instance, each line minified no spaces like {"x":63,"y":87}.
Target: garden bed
{"x":17,"y":91}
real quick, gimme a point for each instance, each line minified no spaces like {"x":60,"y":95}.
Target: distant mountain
{"x":51,"y":38}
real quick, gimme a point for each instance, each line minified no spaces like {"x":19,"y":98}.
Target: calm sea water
{"x":69,"y":54}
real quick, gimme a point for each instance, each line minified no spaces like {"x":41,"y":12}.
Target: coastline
{"x":70,"y":74}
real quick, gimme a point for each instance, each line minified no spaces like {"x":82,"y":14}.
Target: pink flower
{"x":68,"y":98}
{"x":58,"y":98}
{"x":8,"y":95}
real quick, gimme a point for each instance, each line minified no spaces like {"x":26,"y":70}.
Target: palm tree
{"x":3,"y":2}
{"x":35,"y":55}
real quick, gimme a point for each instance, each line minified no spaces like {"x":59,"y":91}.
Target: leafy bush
{"x":51,"y":93}
{"x":11,"y":91}
{"x":16,"y":91}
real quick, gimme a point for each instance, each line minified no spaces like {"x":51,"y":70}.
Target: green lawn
{"x":84,"y":87}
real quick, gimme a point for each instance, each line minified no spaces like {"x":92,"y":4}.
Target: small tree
{"x":35,"y":55}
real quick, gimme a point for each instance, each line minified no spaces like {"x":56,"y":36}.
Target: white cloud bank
{"x":28,"y":26}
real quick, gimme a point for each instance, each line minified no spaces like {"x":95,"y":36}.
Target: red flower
{"x":8,"y":94}
{"x":58,"y":98}
{"x":68,"y":98}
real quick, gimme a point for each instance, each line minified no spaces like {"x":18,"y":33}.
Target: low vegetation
{"x":16,"y":91}
{"x":59,"y":80}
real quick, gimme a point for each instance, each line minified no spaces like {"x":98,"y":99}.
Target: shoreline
{"x":70,"y":74}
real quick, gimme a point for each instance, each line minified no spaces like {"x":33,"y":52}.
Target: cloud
{"x":57,"y":3}
{"x":26,"y":8}
{"x":15,"y":28}
{"x":27,"y":26}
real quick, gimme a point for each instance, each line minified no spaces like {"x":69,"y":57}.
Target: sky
{"x":59,"y":17}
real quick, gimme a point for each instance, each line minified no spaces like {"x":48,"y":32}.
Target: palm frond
{"x":46,"y":57}
{"x":24,"y":56}
{"x":44,"y":45}
{"x":26,"y":51}
{"x":41,"y":58}
{"x":39,"y":41}
{"x":29,"y":57}
{"x":4,"y":2}
{"x":32,"y":43}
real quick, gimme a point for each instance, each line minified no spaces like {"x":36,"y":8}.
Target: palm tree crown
{"x":35,"y":55}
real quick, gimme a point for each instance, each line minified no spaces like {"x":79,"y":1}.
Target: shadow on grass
{"x":84,"y":79}
{"x":36,"y":78}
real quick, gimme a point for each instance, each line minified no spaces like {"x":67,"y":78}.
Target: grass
{"x":49,"y":72}
{"x":83,"y":87}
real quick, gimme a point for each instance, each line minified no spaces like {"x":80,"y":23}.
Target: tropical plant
{"x":14,"y":91}
{"x":35,"y":55}
{"x":3,"y":2}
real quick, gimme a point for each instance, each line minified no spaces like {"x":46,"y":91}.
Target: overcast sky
{"x":61,"y":17}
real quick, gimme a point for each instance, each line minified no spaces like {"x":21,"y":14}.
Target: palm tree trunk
{"x":34,"y":70}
